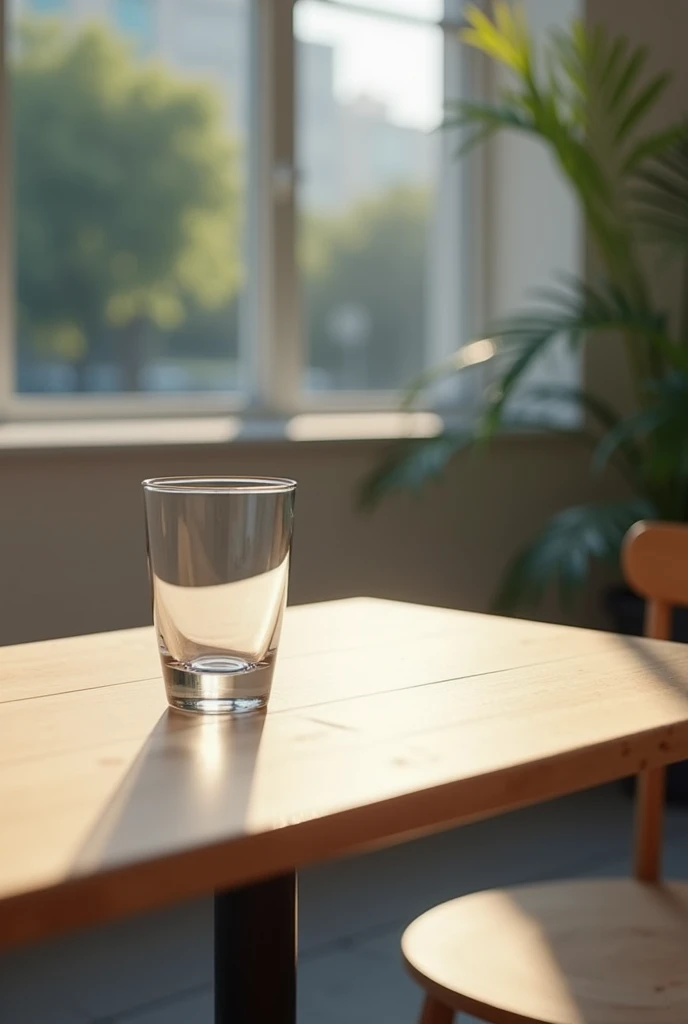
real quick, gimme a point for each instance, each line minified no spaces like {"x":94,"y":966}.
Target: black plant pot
{"x":626,"y":611}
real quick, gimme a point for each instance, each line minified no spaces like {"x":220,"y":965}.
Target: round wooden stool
{"x":600,"y":952}
{"x":591,"y":952}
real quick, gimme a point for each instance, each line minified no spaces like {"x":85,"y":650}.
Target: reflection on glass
{"x":240,"y":616}
{"x":128,"y":136}
{"x":369,"y":94}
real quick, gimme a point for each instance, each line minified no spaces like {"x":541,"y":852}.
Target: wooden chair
{"x":579,"y":952}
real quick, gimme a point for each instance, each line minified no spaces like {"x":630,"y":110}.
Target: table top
{"x":386,"y":721}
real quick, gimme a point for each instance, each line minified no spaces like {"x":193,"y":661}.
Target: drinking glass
{"x":218,"y":556}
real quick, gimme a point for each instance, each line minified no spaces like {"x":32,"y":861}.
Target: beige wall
{"x":661,"y":26}
{"x":71,"y":528}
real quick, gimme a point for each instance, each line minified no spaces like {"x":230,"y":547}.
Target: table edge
{"x":156,"y":882}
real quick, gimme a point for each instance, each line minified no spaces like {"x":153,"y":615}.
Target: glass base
{"x":212,"y":706}
{"x":217,"y":684}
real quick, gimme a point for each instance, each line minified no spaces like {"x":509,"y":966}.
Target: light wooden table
{"x":386,"y":721}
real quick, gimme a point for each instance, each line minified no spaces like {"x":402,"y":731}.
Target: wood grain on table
{"x":386,"y":721}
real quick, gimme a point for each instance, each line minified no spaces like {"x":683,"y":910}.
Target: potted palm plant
{"x":586,"y":96}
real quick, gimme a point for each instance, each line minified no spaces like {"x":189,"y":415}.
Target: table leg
{"x":255,"y":953}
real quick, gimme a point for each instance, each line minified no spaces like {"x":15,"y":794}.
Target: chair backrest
{"x":655,"y":565}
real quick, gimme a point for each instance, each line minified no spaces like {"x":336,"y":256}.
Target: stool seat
{"x":575,"y":952}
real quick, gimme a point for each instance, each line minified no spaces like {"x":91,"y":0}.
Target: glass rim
{"x":219,"y":484}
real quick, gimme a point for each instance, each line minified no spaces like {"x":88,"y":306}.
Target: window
{"x":368,"y":100}
{"x":250,"y":202}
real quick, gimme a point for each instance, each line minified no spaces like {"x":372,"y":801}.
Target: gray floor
{"x":158,"y":969}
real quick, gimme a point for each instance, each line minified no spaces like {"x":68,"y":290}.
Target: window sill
{"x":216,"y":430}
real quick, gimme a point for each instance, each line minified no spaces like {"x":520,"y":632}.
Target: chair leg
{"x":435,"y":1012}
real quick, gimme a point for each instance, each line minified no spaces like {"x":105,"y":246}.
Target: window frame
{"x":272,"y":342}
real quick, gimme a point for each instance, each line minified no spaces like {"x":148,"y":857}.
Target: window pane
{"x":128,"y":137}
{"x":369,"y":94}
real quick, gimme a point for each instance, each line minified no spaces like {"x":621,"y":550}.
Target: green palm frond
{"x":667,"y":404}
{"x":606,"y":83}
{"x":529,"y":104}
{"x":654,"y":146}
{"x":574,"y":310}
{"x":412,"y":464}
{"x":662,"y":196}
{"x":560,"y":555}
{"x":602,"y":412}
{"x":660,"y":431}
{"x":605,"y":419}
{"x":505,"y":39}
{"x":475,"y":353}
{"x":485,"y":120}
{"x":632,"y":429}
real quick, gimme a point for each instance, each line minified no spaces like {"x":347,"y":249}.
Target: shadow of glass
{"x":191,"y":782}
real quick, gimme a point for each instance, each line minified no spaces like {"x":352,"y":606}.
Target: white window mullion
{"x":526,"y":255}
{"x":444,"y":271}
{"x":272,"y":335}
{"x":455,"y":271}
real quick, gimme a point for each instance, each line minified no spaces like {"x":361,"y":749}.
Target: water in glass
{"x":218,"y":554}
